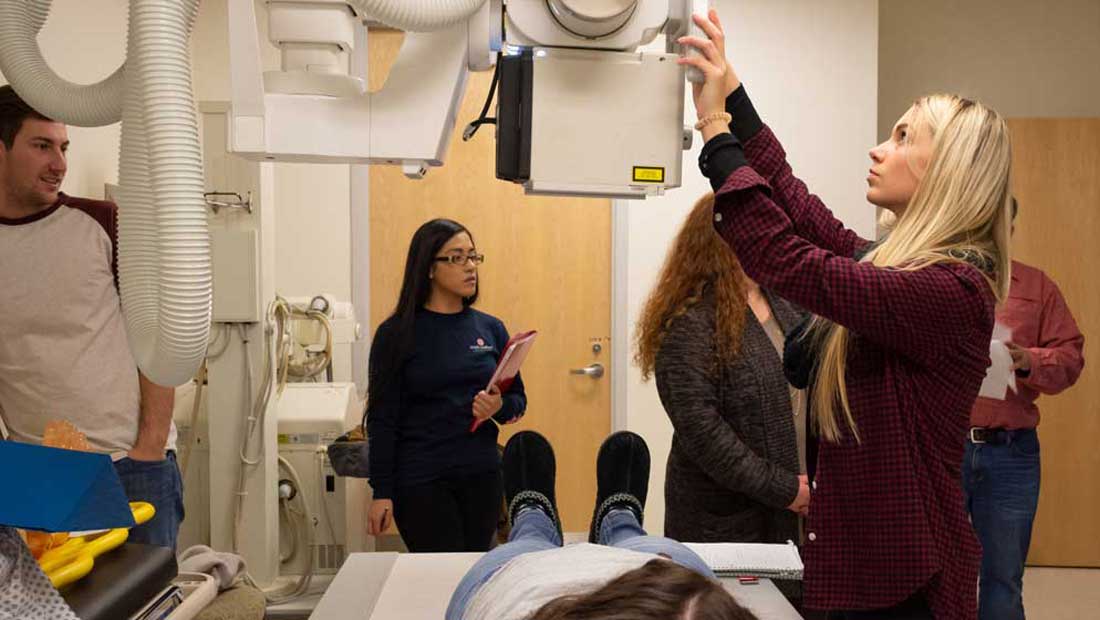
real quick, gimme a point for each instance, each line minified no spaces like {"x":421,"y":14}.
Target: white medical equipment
{"x":569,"y":79}
{"x":580,"y":111}
{"x":311,"y":416}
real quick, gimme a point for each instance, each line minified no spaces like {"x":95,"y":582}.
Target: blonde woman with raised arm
{"x":901,"y":342}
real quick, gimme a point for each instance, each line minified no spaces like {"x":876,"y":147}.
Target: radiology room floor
{"x":1061,"y":593}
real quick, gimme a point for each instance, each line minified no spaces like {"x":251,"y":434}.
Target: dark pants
{"x":914,"y":608}
{"x":1001,"y":486}
{"x":160,"y":484}
{"x":452,"y":514}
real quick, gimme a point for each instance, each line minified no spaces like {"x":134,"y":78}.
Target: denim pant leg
{"x":532,"y":531}
{"x":620,"y":528}
{"x":1001,"y":484}
{"x":158,"y":483}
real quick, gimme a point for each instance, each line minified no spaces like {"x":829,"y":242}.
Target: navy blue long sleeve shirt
{"x":421,"y":430}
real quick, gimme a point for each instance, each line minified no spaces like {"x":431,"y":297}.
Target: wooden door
{"x":547,"y":267}
{"x":1056,"y":163}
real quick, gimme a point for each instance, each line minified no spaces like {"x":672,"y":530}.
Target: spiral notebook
{"x":751,"y":559}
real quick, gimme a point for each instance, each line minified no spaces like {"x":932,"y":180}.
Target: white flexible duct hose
{"x":419,"y":15}
{"x":164,"y":244}
{"x":22,"y":64}
{"x":164,"y":265}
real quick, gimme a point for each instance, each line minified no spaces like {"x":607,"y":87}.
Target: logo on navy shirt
{"x":480,"y":347}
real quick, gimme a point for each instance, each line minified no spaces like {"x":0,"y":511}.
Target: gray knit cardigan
{"x":734,"y":462}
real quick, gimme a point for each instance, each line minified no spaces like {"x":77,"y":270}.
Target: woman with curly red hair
{"x":713,"y":340}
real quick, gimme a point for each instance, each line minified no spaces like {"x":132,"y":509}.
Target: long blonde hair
{"x":697,"y":259}
{"x":961,"y":210}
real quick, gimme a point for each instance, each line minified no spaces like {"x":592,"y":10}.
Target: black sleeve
{"x":746,"y":122}
{"x":724,"y":153}
{"x":721,"y":155}
{"x":800,"y":355}
{"x":382,"y":415}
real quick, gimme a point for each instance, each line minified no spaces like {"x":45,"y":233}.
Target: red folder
{"x":515,"y":351}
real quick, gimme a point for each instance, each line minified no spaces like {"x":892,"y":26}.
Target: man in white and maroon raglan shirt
{"x":64,"y":354}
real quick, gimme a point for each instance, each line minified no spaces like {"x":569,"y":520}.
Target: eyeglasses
{"x":461,"y":259}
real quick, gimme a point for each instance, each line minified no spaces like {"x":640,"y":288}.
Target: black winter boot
{"x":529,"y":471}
{"x":622,"y":478}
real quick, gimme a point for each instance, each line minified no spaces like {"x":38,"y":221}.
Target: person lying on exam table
{"x":430,"y":363}
{"x":620,"y":573}
{"x":901,"y":343}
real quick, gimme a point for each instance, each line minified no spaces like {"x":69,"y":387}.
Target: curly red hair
{"x":697,"y":259}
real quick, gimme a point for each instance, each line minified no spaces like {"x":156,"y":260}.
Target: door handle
{"x":593,"y":370}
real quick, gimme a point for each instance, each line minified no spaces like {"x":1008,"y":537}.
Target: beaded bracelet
{"x":710,"y":118}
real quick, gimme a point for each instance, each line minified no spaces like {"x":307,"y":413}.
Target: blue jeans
{"x":534,"y":531}
{"x":1001,"y":486}
{"x":160,"y":484}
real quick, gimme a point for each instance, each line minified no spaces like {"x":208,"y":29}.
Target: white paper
{"x":999,"y":377}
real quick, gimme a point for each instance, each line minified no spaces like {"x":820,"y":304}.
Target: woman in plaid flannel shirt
{"x":901,"y":339}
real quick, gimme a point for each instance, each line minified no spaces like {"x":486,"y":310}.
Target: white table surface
{"x":385,"y":586}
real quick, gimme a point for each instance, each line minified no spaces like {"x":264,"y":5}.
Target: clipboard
{"x":515,"y":352}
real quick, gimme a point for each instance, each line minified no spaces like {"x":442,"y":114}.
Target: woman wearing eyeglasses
{"x":430,"y":362}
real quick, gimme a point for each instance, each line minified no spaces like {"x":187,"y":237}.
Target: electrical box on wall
{"x":234,"y":256}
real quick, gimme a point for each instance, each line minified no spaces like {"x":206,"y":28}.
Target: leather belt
{"x":994,"y":436}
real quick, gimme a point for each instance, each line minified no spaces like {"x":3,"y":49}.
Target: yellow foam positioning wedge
{"x":54,"y":558}
{"x":105,"y":542}
{"x":76,"y":558}
{"x":73,"y":571}
{"x":143,"y":511}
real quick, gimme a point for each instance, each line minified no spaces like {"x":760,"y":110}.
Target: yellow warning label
{"x":649,"y":174}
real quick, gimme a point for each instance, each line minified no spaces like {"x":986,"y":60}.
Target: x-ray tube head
{"x":569,"y":123}
{"x":582,"y":109}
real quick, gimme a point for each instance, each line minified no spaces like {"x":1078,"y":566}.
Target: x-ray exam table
{"x":393,"y":586}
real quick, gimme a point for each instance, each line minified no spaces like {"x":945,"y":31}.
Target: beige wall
{"x":1022,"y":57}
{"x":811,"y":71}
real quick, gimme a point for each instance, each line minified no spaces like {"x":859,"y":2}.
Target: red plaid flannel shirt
{"x":886,"y":515}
